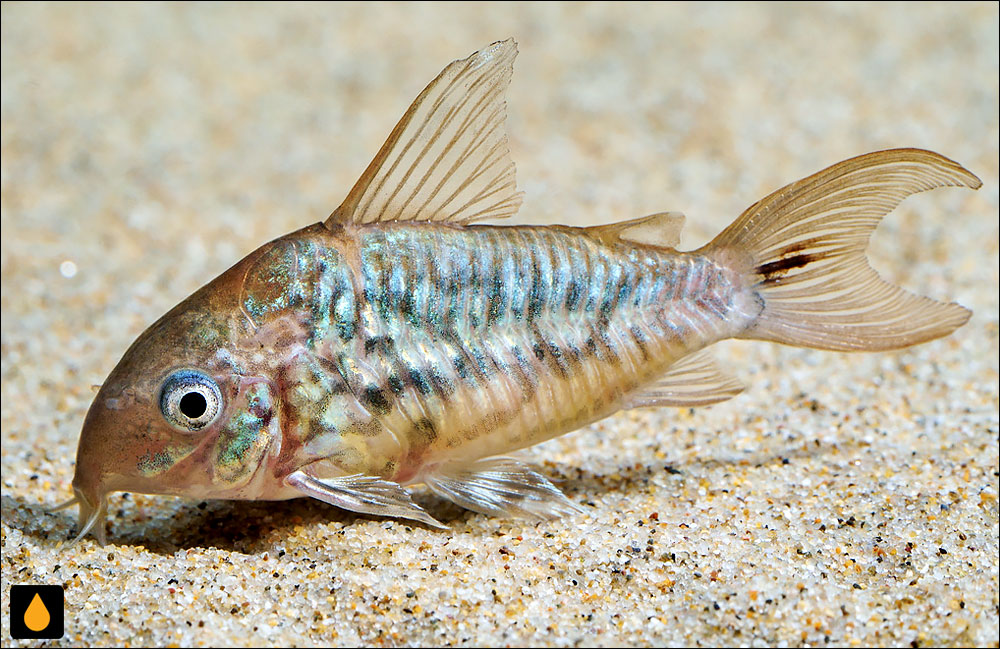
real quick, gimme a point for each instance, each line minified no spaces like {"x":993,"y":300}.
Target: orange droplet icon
{"x":36,"y":617}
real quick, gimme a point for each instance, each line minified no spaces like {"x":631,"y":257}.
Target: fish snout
{"x":95,"y":458}
{"x":106,"y":457}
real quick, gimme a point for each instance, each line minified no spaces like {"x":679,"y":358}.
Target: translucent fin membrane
{"x":364,"y":494}
{"x":447,"y":159}
{"x":662,"y":230}
{"x":501,"y":486}
{"x":695,"y":380}
{"x":804,"y":246}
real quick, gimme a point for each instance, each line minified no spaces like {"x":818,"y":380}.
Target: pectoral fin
{"x":364,"y":494}
{"x":501,"y":486}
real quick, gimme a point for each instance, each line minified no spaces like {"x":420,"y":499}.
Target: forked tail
{"x":803,"y":248}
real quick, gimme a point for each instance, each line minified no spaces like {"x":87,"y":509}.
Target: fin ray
{"x":695,"y":380}
{"x":803,"y":250}
{"x":448,"y":158}
{"x":364,"y":494}
{"x":501,"y":486}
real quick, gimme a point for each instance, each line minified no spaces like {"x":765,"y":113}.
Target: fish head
{"x":183,"y":413}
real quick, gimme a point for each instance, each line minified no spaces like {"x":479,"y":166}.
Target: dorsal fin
{"x":447,"y":159}
{"x":695,"y":380}
{"x":662,"y":230}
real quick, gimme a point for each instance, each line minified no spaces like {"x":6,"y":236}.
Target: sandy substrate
{"x":844,"y":499}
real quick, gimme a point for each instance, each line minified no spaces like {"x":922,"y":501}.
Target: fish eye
{"x":190,"y":400}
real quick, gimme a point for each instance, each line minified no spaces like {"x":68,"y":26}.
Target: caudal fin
{"x":804,"y":250}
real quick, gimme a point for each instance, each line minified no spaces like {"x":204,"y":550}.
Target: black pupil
{"x":193,"y":405}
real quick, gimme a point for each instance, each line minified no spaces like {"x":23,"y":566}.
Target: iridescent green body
{"x":418,"y":344}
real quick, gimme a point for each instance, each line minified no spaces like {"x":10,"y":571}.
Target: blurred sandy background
{"x":841,"y":499}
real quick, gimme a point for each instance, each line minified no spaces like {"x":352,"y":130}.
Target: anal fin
{"x":501,"y":486}
{"x":364,"y":494}
{"x":695,"y":380}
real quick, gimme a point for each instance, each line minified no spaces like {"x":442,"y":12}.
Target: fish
{"x":402,"y":341}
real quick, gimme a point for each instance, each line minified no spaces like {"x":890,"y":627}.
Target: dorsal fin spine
{"x":447,"y":159}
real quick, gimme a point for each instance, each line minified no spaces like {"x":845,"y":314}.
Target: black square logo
{"x":36,"y":612}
